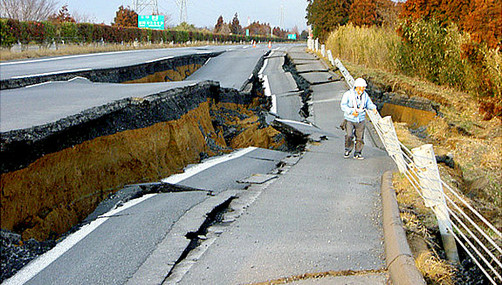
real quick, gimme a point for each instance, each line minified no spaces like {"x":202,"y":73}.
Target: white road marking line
{"x":39,"y":84}
{"x":325,"y":100}
{"x":266,"y":86}
{"x":263,"y":68}
{"x":159,"y":59}
{"x":189,"y":172}
{"x":296,"y":122}
{"x":268,"y":92}
{"x":66,"y":57}
{"x":51,"y":73}
{"x":273,"y":109}
{"x":40,"y":263}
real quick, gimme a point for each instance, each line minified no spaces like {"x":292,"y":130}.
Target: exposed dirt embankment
{"x":415,"y":111}
{"x":74,"y":167}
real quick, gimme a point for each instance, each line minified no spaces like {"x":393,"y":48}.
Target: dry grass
{"x":368,"y":46}
{"x":418,"y":221}
{"x":435,"y":270}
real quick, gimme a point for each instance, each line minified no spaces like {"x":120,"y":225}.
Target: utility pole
{"x":282,"y":16}
{"x":182,"y":5}
{"x":140,"y":5}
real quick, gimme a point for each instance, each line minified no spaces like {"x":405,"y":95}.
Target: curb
{"x":400,"y":262}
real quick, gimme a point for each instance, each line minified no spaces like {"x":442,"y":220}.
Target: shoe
{"x":358,"y":156}
{"x":346,"y":154}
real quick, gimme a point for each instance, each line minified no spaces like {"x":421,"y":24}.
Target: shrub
{"x":432,"y":51}
{"x":69,"y":32}
{"x":9,"y":31}
{"x":85,"y":31}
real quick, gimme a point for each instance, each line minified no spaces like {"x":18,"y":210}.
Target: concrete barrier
{"x":400,"y":262}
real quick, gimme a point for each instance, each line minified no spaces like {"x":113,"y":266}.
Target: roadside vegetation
{"x":447,"y":52}
{"x":42,"y":31}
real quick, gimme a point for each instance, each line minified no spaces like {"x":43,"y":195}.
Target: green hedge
{"x":13,"y":31}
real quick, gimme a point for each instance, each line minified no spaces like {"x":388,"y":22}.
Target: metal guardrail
{"x":458,"y":224}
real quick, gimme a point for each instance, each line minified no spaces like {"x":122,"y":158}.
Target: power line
{"x":140,"y":5}
{"x":182,"y":5}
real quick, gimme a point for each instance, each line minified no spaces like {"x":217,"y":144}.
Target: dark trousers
{"x":357,"y":130}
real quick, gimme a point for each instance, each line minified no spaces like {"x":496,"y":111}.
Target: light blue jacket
{"x":348,"y":107}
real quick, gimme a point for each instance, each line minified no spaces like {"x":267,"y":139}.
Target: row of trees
{"x":326,"y":15}
{"x":255,"y":28}
{"x":45,"y":33}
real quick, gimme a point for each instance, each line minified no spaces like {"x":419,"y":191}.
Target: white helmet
{"x":360,"y":83}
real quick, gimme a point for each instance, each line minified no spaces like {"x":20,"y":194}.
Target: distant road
{"x":94,"y":61}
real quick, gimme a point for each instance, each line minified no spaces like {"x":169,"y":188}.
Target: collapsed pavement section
{"x":176,"y":67}
{"x":56,"y":170}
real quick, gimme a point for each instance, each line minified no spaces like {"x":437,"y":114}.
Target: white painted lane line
{"x":40,"y":263}
{"x":268,"y":92}
{"x":159,"y":59}
{"x":273,"y":109}
{"x":264,"y":66}
{"x":39,"y":84}
{"x":266,"y":86}
{"x":189,"y":172}
{"x":294,"y":122}
{"x":66,"y":57}
{"x":51,"y":73}
{"x":326,"y":100}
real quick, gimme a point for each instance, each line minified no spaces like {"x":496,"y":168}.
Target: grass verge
{"x":460,"y":132}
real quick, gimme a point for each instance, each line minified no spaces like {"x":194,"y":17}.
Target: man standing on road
{"x":354,"y":104}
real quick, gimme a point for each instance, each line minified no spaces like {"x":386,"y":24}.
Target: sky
{"x":203,"y":13}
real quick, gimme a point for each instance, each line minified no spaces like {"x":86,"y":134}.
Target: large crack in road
{"x":243,"y":108}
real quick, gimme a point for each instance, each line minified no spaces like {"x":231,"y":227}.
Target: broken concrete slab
{"x":169,"y":251}
{"x":258,"y":178}
{"x":301,"y":56}
{"x":315,"y":66}
{"x":24,"y":108}
{"x":320,"y":77}
{"x":300,"y":129}
{"x":291,"y":160}
{"x":299,"y":62}
{"x":281,"y":83}
{"x":288,"y":106}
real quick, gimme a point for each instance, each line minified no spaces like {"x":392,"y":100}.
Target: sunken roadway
{"x":252,"y":216}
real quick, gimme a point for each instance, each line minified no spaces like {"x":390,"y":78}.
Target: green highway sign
{"x":155,"y":22}
{"x":291,"y":36}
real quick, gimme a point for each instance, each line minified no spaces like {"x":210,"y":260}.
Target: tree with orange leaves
{"x":363,"y":13}
{"x":63,"y":16}
{"x":373,"y":12}
{"x":484,"y":22}
{"x":126,"y":17}
{"x":481,"y":18}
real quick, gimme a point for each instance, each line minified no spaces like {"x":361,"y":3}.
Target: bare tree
{"x":28,"y":10}
{"x":83,"y":17}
